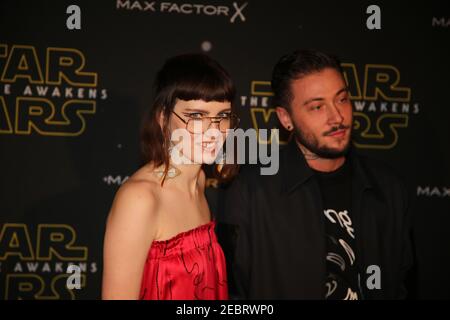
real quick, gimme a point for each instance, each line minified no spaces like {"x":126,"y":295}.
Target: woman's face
{"x":197,"y":137}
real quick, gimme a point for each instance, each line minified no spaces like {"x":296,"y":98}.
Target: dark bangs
{"x":194,"y":77}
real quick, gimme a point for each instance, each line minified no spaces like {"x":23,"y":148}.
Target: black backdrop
{"x":71,"y":103}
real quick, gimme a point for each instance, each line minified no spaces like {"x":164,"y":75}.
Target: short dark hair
{"x":193,"y":76}
{"x":294,"y":66}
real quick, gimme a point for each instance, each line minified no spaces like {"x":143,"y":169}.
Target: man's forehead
{"x":318,"y":83}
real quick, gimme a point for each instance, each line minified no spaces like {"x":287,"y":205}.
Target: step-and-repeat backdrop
{"x":75,"y":81}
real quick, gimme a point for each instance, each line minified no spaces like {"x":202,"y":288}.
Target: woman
{"x":160,"y":241}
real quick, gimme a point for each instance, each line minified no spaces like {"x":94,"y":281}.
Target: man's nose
{"x":334,"y":115}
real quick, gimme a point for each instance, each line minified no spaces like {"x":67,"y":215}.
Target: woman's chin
{"x":208,"y":157}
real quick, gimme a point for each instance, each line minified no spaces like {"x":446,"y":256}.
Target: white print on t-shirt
{"x":331,"y":287}
{"x":337,"y":259}
{"x":343,"y":218}
{"x":351,"y":295}
{"x":348,"y":250}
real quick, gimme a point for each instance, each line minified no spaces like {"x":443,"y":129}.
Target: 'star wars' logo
{"x":263,"y":116}
{"x":382,"y":106}
{"x":35,"y":267}
{"x":49,"y":95}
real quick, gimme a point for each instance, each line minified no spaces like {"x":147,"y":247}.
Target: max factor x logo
{"x":235,"y":12}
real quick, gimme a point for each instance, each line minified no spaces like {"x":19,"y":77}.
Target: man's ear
{"x":285,"y":118}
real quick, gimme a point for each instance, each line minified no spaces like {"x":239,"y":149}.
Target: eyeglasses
{"x":200,"y":125}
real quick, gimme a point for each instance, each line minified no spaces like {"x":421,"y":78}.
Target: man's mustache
{"x":336,"y":128}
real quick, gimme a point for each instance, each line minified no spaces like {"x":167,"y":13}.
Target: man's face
{"x":321,"y":113}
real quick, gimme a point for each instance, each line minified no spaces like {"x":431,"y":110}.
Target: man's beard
{"x":312,"y":144}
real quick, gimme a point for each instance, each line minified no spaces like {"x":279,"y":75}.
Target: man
{"x":330,"y":224}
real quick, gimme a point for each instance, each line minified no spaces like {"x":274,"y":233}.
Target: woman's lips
{"x":208,"y":146}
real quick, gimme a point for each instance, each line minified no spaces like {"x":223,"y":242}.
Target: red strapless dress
{"x":189,"y":266}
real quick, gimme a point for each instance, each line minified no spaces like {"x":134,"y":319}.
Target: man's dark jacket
{"x":278,"y":247}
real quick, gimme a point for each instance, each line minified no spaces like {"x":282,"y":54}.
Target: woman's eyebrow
{"x":196,"y":110}
{"x":204,"y":111}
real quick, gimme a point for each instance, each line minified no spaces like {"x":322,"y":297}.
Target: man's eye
{"x":316,"y":107}
{"x":343,"y":100}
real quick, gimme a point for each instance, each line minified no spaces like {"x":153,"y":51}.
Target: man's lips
{"x":337,"y":133}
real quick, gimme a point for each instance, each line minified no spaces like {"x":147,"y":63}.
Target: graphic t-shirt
{"x":342,"y":273}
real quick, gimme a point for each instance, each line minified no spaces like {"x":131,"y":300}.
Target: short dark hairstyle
{"x":193,"y":76}
{"x":294,"y":66}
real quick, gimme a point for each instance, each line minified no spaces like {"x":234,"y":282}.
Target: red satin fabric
{"x":189,"y":266}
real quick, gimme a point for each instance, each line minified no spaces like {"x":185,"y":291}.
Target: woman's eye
{"x":195,"y":115}
{"x":224,"y":115}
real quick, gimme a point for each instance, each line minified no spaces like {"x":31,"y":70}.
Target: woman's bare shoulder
{"x":137,"y":196}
